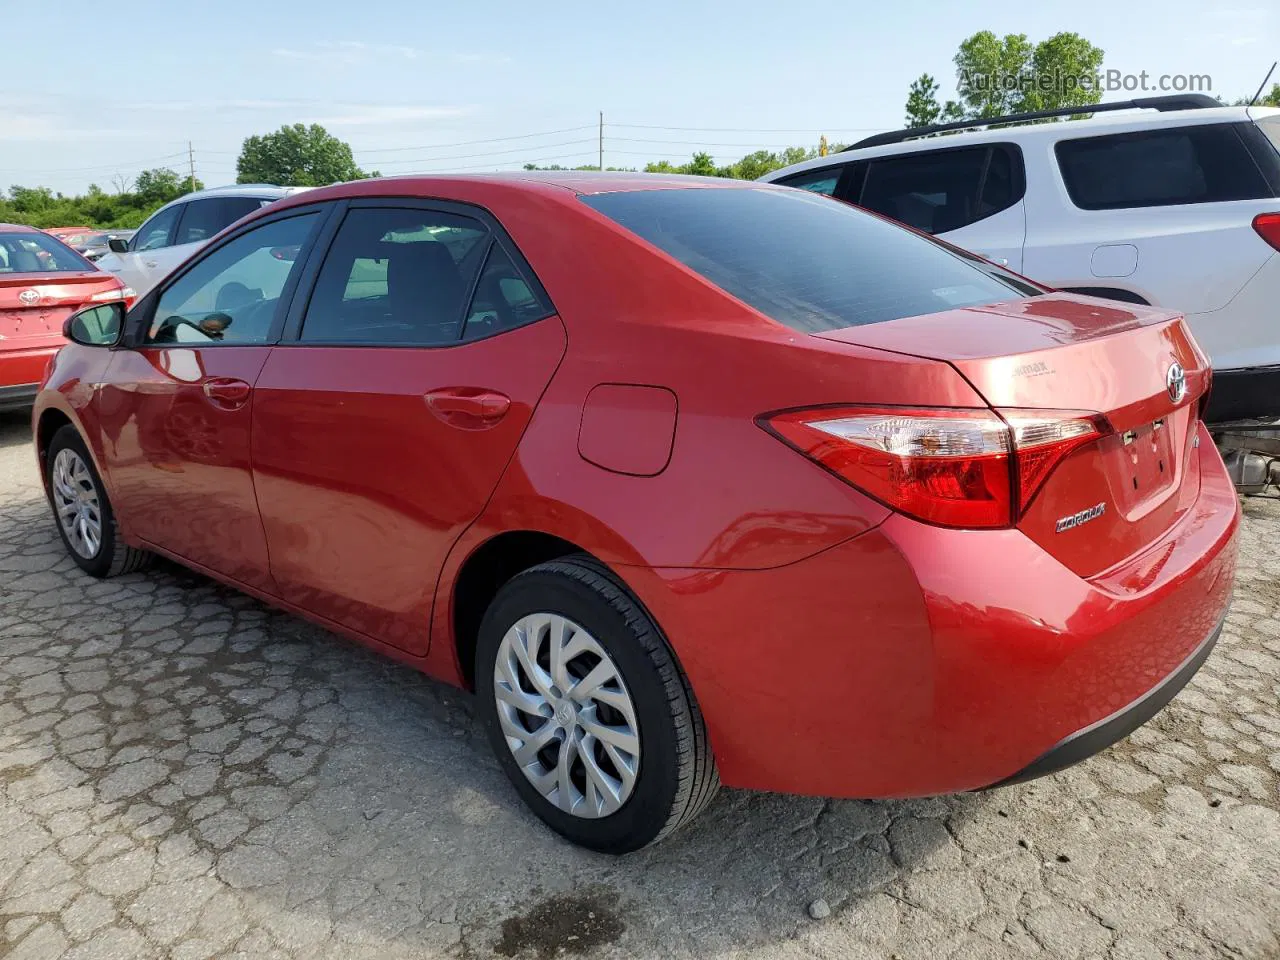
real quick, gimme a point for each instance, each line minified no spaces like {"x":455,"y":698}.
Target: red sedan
{"x":42,"y":282}
{"x":690,"y":480}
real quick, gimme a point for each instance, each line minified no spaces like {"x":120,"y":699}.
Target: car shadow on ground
{"x":15,"y":428}
{"x":335,"y":796}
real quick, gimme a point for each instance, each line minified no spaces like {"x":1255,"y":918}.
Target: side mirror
{"x":97,"y":326}
{"x":117,"y":245}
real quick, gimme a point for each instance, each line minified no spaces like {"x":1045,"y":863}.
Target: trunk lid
{"x":1116,"y":495}
{"x":34,"y":305}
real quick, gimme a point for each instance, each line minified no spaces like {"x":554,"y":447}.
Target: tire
{"x":674,"y":772}
{"x":106,"y":555}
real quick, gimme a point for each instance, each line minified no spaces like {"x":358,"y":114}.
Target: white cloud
{"x":361,"y":115}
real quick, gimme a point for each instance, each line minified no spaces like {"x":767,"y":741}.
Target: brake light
{"x":1268,"y":227}
{"x":126,"y":294}
{"x":951,"y":467}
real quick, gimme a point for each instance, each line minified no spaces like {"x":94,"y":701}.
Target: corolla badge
{"x":29,"y":298}
{"x":1176,"y":382}
{"x":1076,"y":519}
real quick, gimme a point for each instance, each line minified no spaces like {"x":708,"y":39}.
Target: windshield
{"x":807,"y":261}
{"x":38,"y":253}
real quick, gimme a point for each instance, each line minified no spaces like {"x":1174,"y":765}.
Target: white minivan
{"x":180,"y":228}
{"x":1172,"y":201}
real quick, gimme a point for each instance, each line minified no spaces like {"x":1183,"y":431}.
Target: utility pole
{"x":601,"y":167}
{"x":191,"y":160}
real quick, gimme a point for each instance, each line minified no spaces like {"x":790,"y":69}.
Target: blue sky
{"x":121,"y":86}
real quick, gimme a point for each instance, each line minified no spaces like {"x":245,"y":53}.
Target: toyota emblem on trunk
{"x":1176,"y":382}
{"x":29,"y":297}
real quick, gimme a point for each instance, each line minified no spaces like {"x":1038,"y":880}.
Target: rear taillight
{"x":952,"y":467}
{"x":1268,"y":227}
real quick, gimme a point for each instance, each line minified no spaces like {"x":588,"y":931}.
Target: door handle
{"x":469,"y":408}
{"x":149,"y":263}
{"x":226,"y":392}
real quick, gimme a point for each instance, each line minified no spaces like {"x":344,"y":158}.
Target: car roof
{"x":1039,"y":133}
{"x":18,"y":228}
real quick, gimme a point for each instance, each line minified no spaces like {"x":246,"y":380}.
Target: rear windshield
{"x":38,"y":253}
{"x":810,"y":262}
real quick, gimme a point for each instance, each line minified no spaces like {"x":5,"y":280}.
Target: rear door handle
{"x":468,"y":408}
{"x":226,"y":392}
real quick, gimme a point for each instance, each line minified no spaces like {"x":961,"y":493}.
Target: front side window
{"x":38,"y":253}
{"x":802,"y":260}
{"x":1207,"y":163}
{"x":157,"y":231}
{"x":208,"y":217}
{"x":941,"y":190}
{"x":396,"y":276}
{"x":823,"y":180}
{"x":232,"y":295}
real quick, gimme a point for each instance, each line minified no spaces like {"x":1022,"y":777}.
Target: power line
{"x":697,"y":143}
{"x":491,"y":153}
{"x":470,"y":143}
{"x":646,"y":126}
{"x":105,"y":167}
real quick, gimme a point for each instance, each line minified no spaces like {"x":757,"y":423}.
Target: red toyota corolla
{"x":690,"y":480}
{"x":42,"y":282}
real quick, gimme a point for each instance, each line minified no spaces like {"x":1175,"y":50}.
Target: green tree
{"x":1271,"y":99}
{"x":297,"y":156}
{"x":991,"y":72}
{"x":1063,"y":69}
{"x":159,"y":186}
{"x":923,"y":108}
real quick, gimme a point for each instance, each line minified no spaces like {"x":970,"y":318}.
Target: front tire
{"x":82,"y":511}
{"x":587,"y":710}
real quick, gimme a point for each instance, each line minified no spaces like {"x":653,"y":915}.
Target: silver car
{"x":180,"y":228}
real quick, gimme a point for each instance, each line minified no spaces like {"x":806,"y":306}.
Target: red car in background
{"x":42,"y":282}
{"x":690,"y":480}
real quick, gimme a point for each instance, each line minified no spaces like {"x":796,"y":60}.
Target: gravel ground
{"x":186,"y":773}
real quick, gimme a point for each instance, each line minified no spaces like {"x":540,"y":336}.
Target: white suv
{"x":1176,"y":205}
{"x":180,"y":228}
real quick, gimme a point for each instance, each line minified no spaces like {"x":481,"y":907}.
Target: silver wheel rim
{"x":566,"y":715}
{"x":75,"y":500}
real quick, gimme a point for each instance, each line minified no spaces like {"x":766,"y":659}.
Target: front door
{"x":177,"y":415}
{"x":382,"y":428}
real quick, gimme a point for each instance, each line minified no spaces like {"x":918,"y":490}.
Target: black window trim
{"x":138,"y":319}
{"x":1017,"y":168}
{"x":497,"y":236}
{"x":181,"y":207}
{"x":1235,"y":126}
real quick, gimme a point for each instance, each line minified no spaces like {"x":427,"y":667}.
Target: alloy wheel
{"x":566,"y":715}
{"x":76,"y":501}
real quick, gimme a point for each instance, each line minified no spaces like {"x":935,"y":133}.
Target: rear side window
{"x":942,"y":190}
{"x":1208,"y":163}
{"x":206,"y":218}
{"x":808,"y":262}
{"x":823,"y":180}
{"x":396,"y":276}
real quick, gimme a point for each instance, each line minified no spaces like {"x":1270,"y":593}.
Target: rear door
{"x":384,"y":420}
{"x":969,"y":196}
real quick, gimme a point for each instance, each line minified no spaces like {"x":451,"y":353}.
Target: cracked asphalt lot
{"x":186,"y":773}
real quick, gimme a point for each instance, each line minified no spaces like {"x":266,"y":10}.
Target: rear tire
{"x":83,"y":512}
{"x":671,"y":775}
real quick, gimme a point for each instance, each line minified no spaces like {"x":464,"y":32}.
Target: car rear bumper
{"x":1083,"y":744}
{"x":1246,"y":394}
{"x":21,"y":371}
{"x":916,"y":660}
{"x":18,"y":396}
